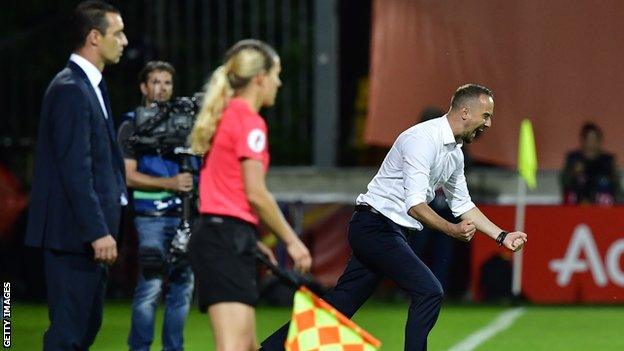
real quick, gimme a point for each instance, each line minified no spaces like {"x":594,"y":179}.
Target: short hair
{"x":153,"y":66}
{"x":89,"y":15}
{"x":589,"y":127}
{"x":469,"y":91}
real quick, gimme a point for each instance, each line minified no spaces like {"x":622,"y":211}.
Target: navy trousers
{"x":381,"y":249}
{"x":76,"y":286}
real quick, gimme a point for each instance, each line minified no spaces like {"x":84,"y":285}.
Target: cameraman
{"x":155,"y":179}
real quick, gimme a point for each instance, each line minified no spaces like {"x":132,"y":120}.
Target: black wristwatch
{"x":501,"y":237}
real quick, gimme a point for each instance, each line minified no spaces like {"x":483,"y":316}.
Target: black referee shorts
{"x":221,"y":251}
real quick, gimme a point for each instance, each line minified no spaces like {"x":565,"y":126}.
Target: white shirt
{"x":94,"y":75}
{"x":423,"y":158}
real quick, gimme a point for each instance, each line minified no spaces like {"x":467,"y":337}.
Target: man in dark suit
{"x":79,"y":184}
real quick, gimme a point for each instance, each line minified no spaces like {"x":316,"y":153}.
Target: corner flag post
{"x":527,"y":169}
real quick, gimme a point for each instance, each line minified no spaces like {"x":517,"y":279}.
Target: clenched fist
{"x":514,"y":241}
{"x":463,"y":230}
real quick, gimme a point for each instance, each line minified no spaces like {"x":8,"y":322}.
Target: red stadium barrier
{"x":574,"y":254}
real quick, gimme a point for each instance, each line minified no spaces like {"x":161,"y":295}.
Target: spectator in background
{"x":590,"y":174}
{"x":156,"y":179}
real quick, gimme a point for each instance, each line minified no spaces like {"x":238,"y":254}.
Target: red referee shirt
{"x":241,"y":134}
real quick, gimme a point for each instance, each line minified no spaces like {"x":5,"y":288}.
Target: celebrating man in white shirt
{"x":424,"y":158}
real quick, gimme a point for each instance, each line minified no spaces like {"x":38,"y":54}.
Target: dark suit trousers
{"x":76,"y":286}
{"x":380,"y":248}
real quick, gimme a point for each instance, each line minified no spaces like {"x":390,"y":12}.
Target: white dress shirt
{"x":94,"y":75}
{"x":423,"y":158}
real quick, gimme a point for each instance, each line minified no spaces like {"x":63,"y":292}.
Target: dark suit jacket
{"x":79,"y":172}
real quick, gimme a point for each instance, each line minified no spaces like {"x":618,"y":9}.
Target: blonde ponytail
{"x":243,"y":61}
{"x":217,"y":92}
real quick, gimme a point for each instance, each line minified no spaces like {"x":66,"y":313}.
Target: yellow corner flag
{"x":527,"y":157}
{"x":317,"y":326}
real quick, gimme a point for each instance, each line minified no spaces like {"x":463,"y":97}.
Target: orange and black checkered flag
{"x":317,"y":326}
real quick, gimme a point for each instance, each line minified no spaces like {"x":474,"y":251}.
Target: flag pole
{"x":527,"y":177}
{"x":516,"y":286}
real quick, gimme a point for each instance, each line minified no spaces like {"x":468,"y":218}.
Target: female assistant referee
{"x":233,"y":194}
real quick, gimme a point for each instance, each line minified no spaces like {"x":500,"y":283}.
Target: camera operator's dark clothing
{"x":587,"y":180}
{"x":157,"y":202}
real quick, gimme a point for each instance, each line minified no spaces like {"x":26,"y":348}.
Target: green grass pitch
{"x":540,"y":328}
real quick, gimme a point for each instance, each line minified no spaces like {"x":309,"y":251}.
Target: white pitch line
{"x":502,"y":322}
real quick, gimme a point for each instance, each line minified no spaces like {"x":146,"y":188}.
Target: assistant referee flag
{"x":527,"y":156}
{"x":317,"y":326}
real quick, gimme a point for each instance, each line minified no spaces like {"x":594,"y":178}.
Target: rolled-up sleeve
{"x":456,"y":192}
{"x":418,"y":152}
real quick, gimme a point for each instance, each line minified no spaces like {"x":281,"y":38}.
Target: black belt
{"x":371,"y":209}
{"x":366,"y":208}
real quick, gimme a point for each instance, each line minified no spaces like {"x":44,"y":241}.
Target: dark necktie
{"x":109,"y":120}
{"x":111,"y":130}
{"x":104,"y":92}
